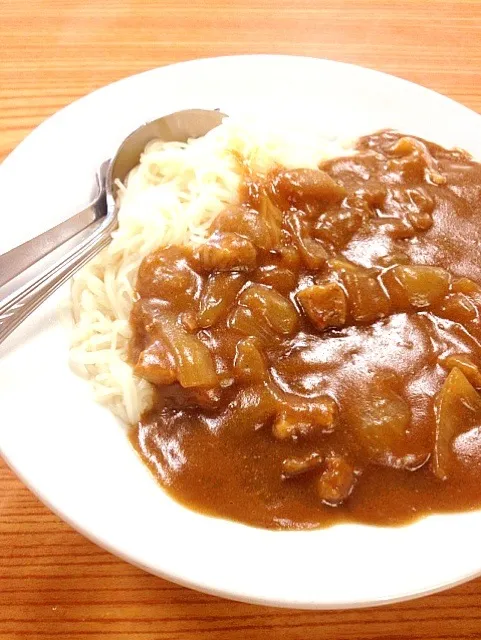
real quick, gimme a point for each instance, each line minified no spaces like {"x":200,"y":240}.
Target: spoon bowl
{"x":93,"y":226}
{"x":176,"y":127}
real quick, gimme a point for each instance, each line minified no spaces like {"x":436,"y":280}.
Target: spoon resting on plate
{"x":93,"y":225}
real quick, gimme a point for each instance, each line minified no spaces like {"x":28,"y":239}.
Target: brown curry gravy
{"x":337,"y":314}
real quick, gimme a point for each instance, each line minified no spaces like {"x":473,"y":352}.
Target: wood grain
{"x":53,"y":583}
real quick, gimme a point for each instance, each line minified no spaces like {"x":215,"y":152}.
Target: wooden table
{"x":53,"y":582}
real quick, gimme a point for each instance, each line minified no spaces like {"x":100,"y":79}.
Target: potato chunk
{"x":380,"y":419}
{"x":458,"y":308}
{"x":309,"y":184}
{"x":465,"y":364}
{"x":417,"y":286}
{"x":311,"y":250}
{"x":219,"y":293}
{"x":226,"y":251}
{"x":271,"y":307}
{"x":249,"y":363}
{"x":166,"y":273}
{"x":193,"y":361}
{"x":262,"y":229}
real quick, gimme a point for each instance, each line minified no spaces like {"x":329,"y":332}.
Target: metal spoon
{"x":93,"y":226}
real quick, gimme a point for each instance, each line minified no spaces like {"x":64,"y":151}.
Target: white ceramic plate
{"x":74,"y":455}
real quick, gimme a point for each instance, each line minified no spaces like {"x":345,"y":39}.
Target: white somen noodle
{"x":171,"y":197}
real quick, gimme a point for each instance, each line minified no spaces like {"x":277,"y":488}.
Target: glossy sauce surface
{"x":316,"y":360}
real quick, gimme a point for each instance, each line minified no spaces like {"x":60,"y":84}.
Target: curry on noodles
{"x":318,"y":359}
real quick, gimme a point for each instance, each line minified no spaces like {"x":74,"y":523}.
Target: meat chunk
{"x":420,"y":208}
{"x":296,"y":466}
{"x":325,"y":305}
{"x":204,"y":397}
{"x":367,"y":300}
{"x":411,"y":167}
{"x":413,"y":152}
{"x":337,"y":226}
{"x":178,"y":398}
{"x":156,"y":365}
{"x":420,"y":220}
{"x":336,"y":482}
{"x":286,"y":427}
{"x":394,"y":228}
{"x":305,"y":418}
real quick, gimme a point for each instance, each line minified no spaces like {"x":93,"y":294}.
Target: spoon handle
{"x":14,"y":262}
{"x":19,"y":304}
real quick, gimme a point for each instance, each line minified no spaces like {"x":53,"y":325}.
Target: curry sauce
{"x":318,"y":358}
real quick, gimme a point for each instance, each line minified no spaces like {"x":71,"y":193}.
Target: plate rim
{"x":220,"y":592}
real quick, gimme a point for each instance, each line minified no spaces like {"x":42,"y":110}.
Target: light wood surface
{"x":54,"y":583}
